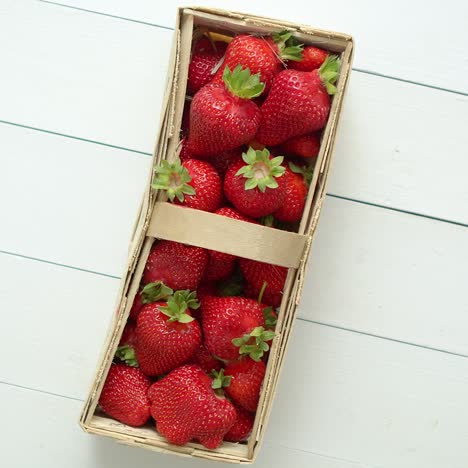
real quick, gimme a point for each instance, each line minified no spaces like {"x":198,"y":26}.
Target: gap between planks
{"x":168,"y":28}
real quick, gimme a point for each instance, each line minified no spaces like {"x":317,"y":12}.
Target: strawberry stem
{"x":262,"y":291}
{"x":174,"y":178}
{"x":255,"y":343}
{"x":154,"y":292}
{"x":219,"y":379}
{"x":260,"y":170}
{"x":241,"y":83}
{"x":178,"y":304}
{"x":127,"y":354}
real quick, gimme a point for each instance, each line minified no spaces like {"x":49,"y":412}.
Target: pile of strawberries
{"x":193,"y":353}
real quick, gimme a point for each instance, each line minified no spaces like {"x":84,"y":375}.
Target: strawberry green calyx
{"x":329,"y":72}
{"x":174,"y":178}
{"x":219,"y":379}
{"x":306,"y":171}
{"x":154,"y":292}
{"x":254,"y":344}
{"x":241,"y":83}
{"x":178,"y":304}
{"x":127,"y":354}
{"x":289,"y":47}
{"x":270,"y":317}
{"x":261,"y":171}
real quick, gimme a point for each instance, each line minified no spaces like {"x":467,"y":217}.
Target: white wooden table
{"x":377,"y":372}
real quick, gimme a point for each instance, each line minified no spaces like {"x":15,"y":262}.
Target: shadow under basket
{"x":288,"y":249}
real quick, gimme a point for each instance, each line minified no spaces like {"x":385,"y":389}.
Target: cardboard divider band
{"x":216,"y":232}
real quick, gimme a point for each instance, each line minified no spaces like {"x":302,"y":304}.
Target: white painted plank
{"x":56,"y":323}
{"x":403,"y":146}
{"x":54,"y":439}
{"x":68,"y":201}
{"x":392,"y":38}
{"x":342,"y":395}
{"x":389,"y":274}
{"x":399,"y":145}
{"x":83,"y":75}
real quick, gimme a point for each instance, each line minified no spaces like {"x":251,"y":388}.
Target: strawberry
{"x":152,"y":292}
{"x":128,"y":337}
{"x":222,"y":116}
{"x":298,"y":103}
{"x":242,"y":427}
{"x":205,"y":57}
{"x":193,"y":183}
{"x":186,"y":407}
{"x":124,"y":395}
{"x":260,"y":55}
{"x":233,"y":326}
{"x":306,"y":146}
{"x":222,"y":160}
{"x":257,"y":273}
{"x":206,"y":289}
{"x":179,"y":266}
{"x":296,"y":189}
{"x":136,"y":306}
{"x":167,"y":334}
{"x":205,"y":360}
{"x":312,"y":58}
{"x":221,"y":265}
{"x":246,"y":380}
{"x":254,"y":184}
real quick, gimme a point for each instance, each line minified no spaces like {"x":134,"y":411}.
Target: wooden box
{"x":215,"y":232}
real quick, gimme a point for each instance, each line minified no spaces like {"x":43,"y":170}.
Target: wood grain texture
{"x":390,"y":40}
{"x":360,"y":399}
{"x":399,"y":145}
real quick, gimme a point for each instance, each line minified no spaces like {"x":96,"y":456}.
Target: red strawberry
{"x":312,"y":58}
{"x":193,"y":183}
{"x":152,"y":292}
{"x":185,"y":125}
{"x":205,"y":57}
{"x":254,"y":184}
{"x":246,"y":380}
{"x":242,"y":427}
{"x":128,"y":337}
{"x":298,"y":103}
{"x":167,"y":334}
{"x":222,"y":160}
{"x":295,"y":195}
{"x":186,"y":407}
{"x":179,"y":266}
{"x":205,"y":360}
{"x":221,"y":265}
{"x":222,"y":116}
{"x":206,"y":289}
{"x":257,"y":273}
{"x":307,"y":146}
{"x":136,"y":306}
{"x":233,"y":326}
{"x":260,"y":55}
{"x":124,"y":395}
